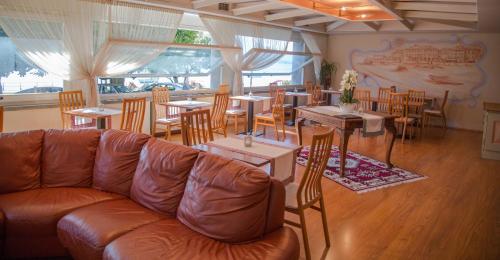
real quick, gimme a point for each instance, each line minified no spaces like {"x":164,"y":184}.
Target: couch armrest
{"x":276,"y":207}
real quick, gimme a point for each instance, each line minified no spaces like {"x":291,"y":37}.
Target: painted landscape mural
{"x":435,"y":66}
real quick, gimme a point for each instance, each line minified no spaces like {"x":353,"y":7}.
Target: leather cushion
{"x":161,"y":175}
{"x":169,"y":239}
{"x":224,"y":199}
{"x":31,"y":217}
{"x":68,"y":157}
{"x":86,"y":231}
{"x":20,"y":155}
{"x":116,"y":160}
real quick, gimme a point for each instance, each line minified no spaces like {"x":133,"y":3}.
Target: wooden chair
{"x":364,"y":98}
{"x":196,"y":127}
{"x":399,"y":107}
{"x":223,"y":89}
{"x":162,"y":114}
{"x":309,"y":87}
{"x":133,"y":110}
{"x":416,"y":101}
{"x":275,"y":118}
{"x":71,"y":100}
{"x":306,"y":194}
{"x":219,"y":122}
{"x":317,"y":96}
{"x":437,"y":113}
{"x":1,"y":119}
{"x":384,"y":99}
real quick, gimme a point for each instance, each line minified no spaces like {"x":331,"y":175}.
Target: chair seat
{"x":236,"y":112}
{"x":404,"y":119}
{"x":432,"y":112}
{"x":417,"y":116}
{"x":291,"y":196}
{"x":172,"y":120}
{"x":287,"y":106}
{"x":268,"y":116}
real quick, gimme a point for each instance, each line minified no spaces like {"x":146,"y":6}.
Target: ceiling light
{"x":363,"y":16}
{"x":343,"y":8}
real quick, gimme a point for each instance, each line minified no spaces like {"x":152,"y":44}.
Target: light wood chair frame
{"x":317,"y":96}
{"x":164,"y":115}
{"x":416,"y":102}
{"x":223,"y":89}
{"x":133,"y":110}
{"x":364,"y":96}
{"x":442,"y":115}
{"x":196,"y":127}
{"x":275,"y":118}
{"x":399,"y":107}
{"x":71,"y":100}
{"x":384,"y":99}
{"x":309,"y":191}
{"x":218,"y":114}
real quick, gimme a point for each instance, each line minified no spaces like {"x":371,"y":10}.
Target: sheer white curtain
{"x":79,"y":40}
{"x":247,"y":36}
{"x":313,"y":44}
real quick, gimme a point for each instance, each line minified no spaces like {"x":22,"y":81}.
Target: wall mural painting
{"x":435,"y":66}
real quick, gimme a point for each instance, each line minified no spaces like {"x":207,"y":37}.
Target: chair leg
{"x":304,"y":234}
{"x":325,"y":225}
{"x":276,"y":132}
{"x":235,"y":124}
{"x":283,"y":130}
{"x":167,"y":134}
{"x":404,"y":133}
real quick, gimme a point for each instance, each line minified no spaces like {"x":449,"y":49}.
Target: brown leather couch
{"x":119,"y":195}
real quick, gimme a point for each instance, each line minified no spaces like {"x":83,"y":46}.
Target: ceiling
{"x":347,"y":16}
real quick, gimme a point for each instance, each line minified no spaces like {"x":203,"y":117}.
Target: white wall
{"x":461,"y":114}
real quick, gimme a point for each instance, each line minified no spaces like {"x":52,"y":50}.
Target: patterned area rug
{"x":363,"y":174}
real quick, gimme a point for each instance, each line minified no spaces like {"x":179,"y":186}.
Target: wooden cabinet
{"x":491,"y":131}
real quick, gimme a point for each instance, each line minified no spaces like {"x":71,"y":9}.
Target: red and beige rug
{"x":363,"y":174}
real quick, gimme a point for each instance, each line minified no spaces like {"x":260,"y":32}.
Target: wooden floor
{"x":453,"y":214}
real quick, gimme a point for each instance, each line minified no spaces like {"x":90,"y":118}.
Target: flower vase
{"x":347,"y":107}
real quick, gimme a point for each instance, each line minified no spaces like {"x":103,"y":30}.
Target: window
{"x":178,"y":68}
{"x":19,"y":76}
{"x":286,"y":70}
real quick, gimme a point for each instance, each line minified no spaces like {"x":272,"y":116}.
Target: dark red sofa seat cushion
{"x":225,"y":200}
{"x":116,"y":160}
{"x":20,"y":156}
{"x":68,"y":157}
{"x":161,"y":175}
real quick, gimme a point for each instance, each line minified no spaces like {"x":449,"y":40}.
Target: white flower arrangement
{"x":347,"y":85}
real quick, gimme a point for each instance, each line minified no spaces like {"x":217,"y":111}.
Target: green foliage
{"x":347,"y":97}
{"x":326,"y":71}
{"x":191,"y":37}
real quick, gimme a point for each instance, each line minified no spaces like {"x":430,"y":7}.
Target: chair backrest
{"x":364,"y":96}
{"x":416,"y":101}
{"x":219,"y":110}
{"x":309,"y":189}
{"x":1,"y":119}
{"x":399,"y":104}
{"x":223,"y":89}
{"x":196,"y":127}
{"x":317,"y":96}
{"x":445,"y":99}
{"x":278,"y":109}
{"x":133,"y":110}
{"x":384,"y":99}
{"x":273,"y":87}
{"x":160,"y":95}
{"x":69,"y":100}
{"x":309,"y":87}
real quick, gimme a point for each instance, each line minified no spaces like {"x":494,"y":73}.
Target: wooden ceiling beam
{"x":373,"y":25}
{"x":197,"y":4}
{"x":467,"y":25}
{"x":287,"y":14}
{"x":441,"y":16}
{"x":335,"y":25}
{"x":315,"y":20}
{"x":437,"y":7}
{"x":258,"y":8}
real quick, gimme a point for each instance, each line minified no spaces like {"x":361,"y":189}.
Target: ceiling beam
{"x":315,"y":20}
{"x":375,"y":26}
{"x":437,"y":7}
{"x":287,"y":14}
{"x":445,"y":1}
{"x":468,"y":25}
{"x":335,"y":25}
{"x":407,"y":24}
{"x":396,"y":13}
{"x":441,"y":16}
{"x":258,"y":8}
{"x":197,"y":4}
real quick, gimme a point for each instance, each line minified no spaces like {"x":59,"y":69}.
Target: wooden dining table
{"x":102,"y":115}
{"x":344,"y":125}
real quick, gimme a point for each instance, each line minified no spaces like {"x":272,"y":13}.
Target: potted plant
{"x":325,"y":77}
{"x":347,"y":85}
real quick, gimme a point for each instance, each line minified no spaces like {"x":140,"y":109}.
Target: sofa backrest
{"x":226,"y":200}
{"x":116,"y":160}
{"x":161,"y":175}
{"x":68,"y":157}
{"x":20,"y":155}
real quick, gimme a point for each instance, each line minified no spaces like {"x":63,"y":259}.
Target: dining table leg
{"x":328,"y":99}
{"x":101,"y":123}
{"x":344,"y":135}
{"x":295,"y":103}
{"x":390,"y":143}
